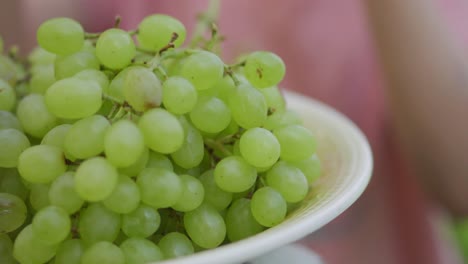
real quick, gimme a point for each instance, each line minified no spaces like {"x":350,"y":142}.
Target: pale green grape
{"x":162,"y":131}
{"x":9,"y":120}
{"x":259,"y":147}
{"x":51,"y":225}
{"x":11,"y":182}
{"x":115,"y":48}
{"x":29,"y":249}
{"x":191,"y":153}
{"x":157,"y":160}
{"x":61,"y":36}
{"x":264,"y":69}
{"x":34,"y":117}
{"x":225,"y":87}
{"x":12,"y":212}
{"x":73,"y":98}
{"x":203,"y":69}
{"x":155,"y":32}
{"x":85,"y":138}
{"x":40,"y":56}
{"x":142,"y":89}
{"x":210,"y":115}
{"x":311,"y":167}
{"x":134,"y":169}
{"x":140,"y":251}
{"x":180,"y":96}
{"x":248,"y":107}
{"x":41,"y":164}
{"x":42,"y":79}
{"x":103,"y":253}
{"x":280,"y":119}
{"x":159,"y":188}
{"x":288,"y":180}
{"x":69,"y":252}
{"x":214,"y":196}
{"x":56,"y":136}
{"x":234,"y":174}
{"x":268,"y":207}
{"x":274,"y":98}
{"x":62,"y":193}
{"x":192,"y":194}
{"x":67,"y":66}
{"x":175,"y":245}
{"x":297,"y":142}
{"x":125,"y":197}
{"x":39,"y":196}
{"x":12,"y":144}
{"x":142,"y":222}
{"x":95,"y":179}
{"x":123,"y":143}
{"x":97,"y":223}
{"x":6,"y":249}
{"x":94,"y":75}
{"x":205,"y":226}
{"x":240,"y":222}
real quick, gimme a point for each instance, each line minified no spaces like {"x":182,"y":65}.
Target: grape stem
{"x":216,"y":145}
{"x":118,"y":20}
{"x":228,"y":71}
{"x":205,"y":21}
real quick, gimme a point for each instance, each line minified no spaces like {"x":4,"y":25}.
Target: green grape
{"x":125,"y":197}
{"x":234,"y":174}
{"x":103,"y":253}
{"x":134,"y":169}
{"x":159,"y":188}
{"x":12,"y":144}
{"x":34,"y":117}
{"x":155,"y":32}
{"x":142,"y":222}
{"x":61,"y":36}
{"x":12,"y":212}
{"x":297,"y":143}
{"x":175,"y":245}
{"x":112,"y":42}
{"x":40,"y":56}
{"x":115,"y":89}
{"x":248,"y":107}
{"x":6,"y":249}
{"x":9,"y":120}
{"x":289,"y":181}
{"x":311,"y":167}
{"x":62,"y":193}
{"x":42,"y":79}
{"x":274,"y":98}
{"x":67,"y":66}
{"x":203,"y":69}
{"x":264,"y":69}
{"x":85,"y":138}
{"x":192,"y":194}
{"x":123,"y":143}
{"x":56,"y":136}
{"x":180,"y":96}
{"x":142,"y":89}
{"x":39,"y":196}
{"x":210,"y":115}
{"x":280,"y":119}
{"x":140,"y":251}
{"x":157,"y":160}
{"x":94,"y":75}
{"x":29,"y":249}
{"x":69,"y":252}
{"x":51,"y":225}
{"x":240,"y":222}
{"x":162,"y":131}
{"x":95,"y":179}
{"x":9,"y":75}
{"x":192,"y":151}
{"x":41,"y":164}
{"x":97,"y":223}
{"x":225,"y":87}
{"x":268,"y":207}
{"x":205,"y":226}
{"x":73,"y":98}
{"x":259,"y":147}
{"x":214,"y":196}
{"x":10,"y":182}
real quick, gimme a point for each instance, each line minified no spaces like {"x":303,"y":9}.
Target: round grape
{"x":175,"y":245}
{"x":12,"y":144}
{"x":115,"y":48}
{"x":12,"y":212}
{"x":180,"y":96}
{"x":156,"y":31}
{"x":264,"y":69}
{"x":268,"y":207}
{"x":140,"y":251}
{"x":103,"y":253}
{"x":95,"y":179}
{"x":159,"y":188}
{"x":234,"y":174}
{"x":259,"y":147}
{"x":203,"y":69}
{"x":61,"y":36}
{"x":51,"y":225}
{"x":296,"y":142}
{"x":205,"y":226}
{"x":41,"y":164}
{"x":123,"y":143}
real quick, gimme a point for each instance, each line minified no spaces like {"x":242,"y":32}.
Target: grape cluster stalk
{"x":135,"y":146}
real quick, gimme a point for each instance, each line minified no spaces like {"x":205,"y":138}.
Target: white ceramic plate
{"x":347,"y":165}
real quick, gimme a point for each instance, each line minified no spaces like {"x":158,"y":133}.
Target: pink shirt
{"x":329,"y":55}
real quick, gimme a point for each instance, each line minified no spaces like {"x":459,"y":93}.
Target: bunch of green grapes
{"x":128,"y":147}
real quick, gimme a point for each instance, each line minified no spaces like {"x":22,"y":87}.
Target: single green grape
{"x":142,"y":222}
{"x":311,"y":167}
{"x":39,"y":196}
{"x":61,"y":36}
{"x":123,"y":143}
{"x":210,"y":115}
{"x":11,"y":182}
{"x":142,"y":89}
{"x":297,"y":142}
{"x":192,"y":194}
{"x":159,"y":188}
{"x":51,"y":225}
{"x":214,"y":196}
{"x":175,"y":245}
{"x":34,"y":116}
{"x":268,"y":207}
{"x":203,"y":69}
{"x":62,"y":193}
{"x":95,"y":179}
{"x":158,"y":160}
{"x":103,"y":253}
{"x":264,"y":69}
{"x":97,"y":223}
{"x":41,"y":164}
{"x":67,"y":66}
{"x":281,"y":119}
{"x":248,"y":107}
{"x":29,"y":249}
{"x":234,"y":174}
{"x":12,"y":144}
{"x":289,"y":181}
{"x":115,"y":48}
{"x":94,"y":75}
{"x":12,"y":212}
{"x":42,"y":79}
{"x":180,"y":96}
{"x":140,"y":251}
{"x":9,"y":120}
{"x":191,"y":153}
{"x":240,"y":222}
{"x":125,"y":198}
{"x":69,"y":252}
{"x":274,"y":98}
{"x":205,"y":226}
{"x":156,"y":31}
{"x":56,"y":136}
{"x":259,"y":147}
